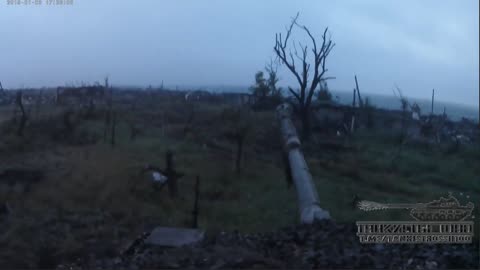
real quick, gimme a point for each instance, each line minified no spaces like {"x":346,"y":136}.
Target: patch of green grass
{"x":100,"y":178}
{"x":417,"y":175}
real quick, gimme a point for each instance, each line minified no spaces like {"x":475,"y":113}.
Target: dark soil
{"x":322,"y":245}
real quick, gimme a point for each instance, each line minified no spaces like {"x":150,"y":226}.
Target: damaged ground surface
{"x":77,"y":198}
{"x":325,"y":244}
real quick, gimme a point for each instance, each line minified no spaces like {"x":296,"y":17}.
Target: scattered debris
{"x":321,"y":245}
{"x":167,"y":176}
{"x":158,"y":177}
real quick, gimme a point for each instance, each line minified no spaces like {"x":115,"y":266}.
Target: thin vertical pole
{"x":433,"y":99}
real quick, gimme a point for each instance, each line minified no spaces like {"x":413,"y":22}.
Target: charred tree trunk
{"x":23,"y":119}
{"x":433,"y":100}
{"x":352,"y":123}
{"x":171,"y":175}
{"x":360,"y":101}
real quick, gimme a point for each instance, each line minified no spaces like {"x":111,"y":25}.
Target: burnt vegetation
{"x":83,"y":168}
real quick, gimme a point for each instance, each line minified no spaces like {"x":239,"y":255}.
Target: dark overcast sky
{"x":417,"y":45}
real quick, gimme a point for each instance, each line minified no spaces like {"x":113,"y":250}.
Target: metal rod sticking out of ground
{"x":195,"y":204}
{"x":306,"y":192}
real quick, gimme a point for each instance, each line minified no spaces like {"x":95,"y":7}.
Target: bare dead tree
{"x":415,"y":108}
{"x":1,"y":89}
{"x":307,"y":86}
{"x":404,"y":105}
{"x":238,"y":129}
{"x":403,"y":136}
{"x":23,"y":119}
{"x":272,"y":70}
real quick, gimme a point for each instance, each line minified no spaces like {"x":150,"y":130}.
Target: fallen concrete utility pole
{"x":307,"y":194}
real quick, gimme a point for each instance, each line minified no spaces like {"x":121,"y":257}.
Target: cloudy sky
{"x":417,"y":45}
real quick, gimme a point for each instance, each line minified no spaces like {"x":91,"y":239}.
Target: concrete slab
{"x":174,"y":237}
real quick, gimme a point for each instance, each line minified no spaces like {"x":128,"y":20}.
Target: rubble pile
{"x":324,"y":244}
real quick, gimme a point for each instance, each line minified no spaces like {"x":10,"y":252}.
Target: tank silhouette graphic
{"x":443,"y":209}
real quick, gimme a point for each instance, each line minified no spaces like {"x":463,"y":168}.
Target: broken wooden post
{"x":165,"y":176}
{"x":23,"y":119}
{"x":360,"y":101}
{"x":195,"y":204}
{"x":171,"y":175}
{"x":352,"y":123}
{"x":306,"y":192}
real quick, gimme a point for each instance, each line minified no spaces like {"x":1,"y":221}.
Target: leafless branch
{"x":320,"y":55}
{"x":308,"y":82}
